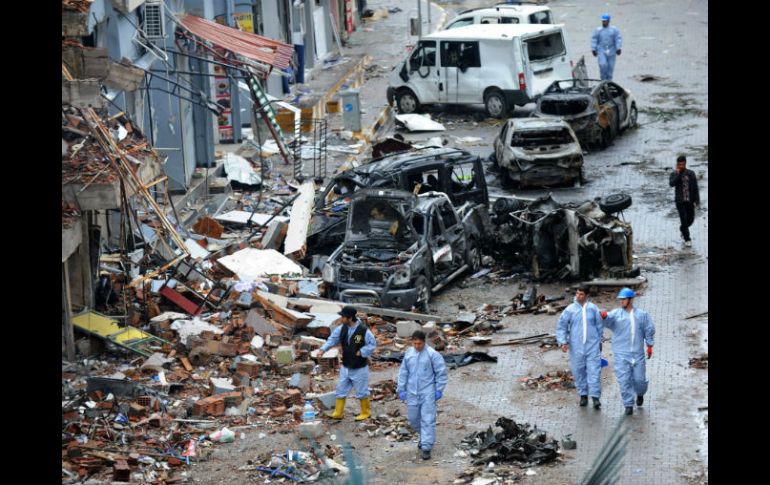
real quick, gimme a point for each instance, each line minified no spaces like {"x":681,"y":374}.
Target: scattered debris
{"x":516,"y":443}
{"x":701,"y":362}
{"x":415,"y":122}
{"x":562,"y":379}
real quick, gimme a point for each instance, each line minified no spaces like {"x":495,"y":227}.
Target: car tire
{"x":494,"y":103}
{"x":422,"y":286}
{"x":615,"y":203}
{"x":474,"y":255}
{"x":633,"y":117}
{"x":504,"y":205}
{"x":605,"y":138}
{"x":407,"y":102}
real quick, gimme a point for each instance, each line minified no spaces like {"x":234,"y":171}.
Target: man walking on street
{"x":580,"y":330}
{"x":686,"y":196}
{"x":357,"y":344}
{"x":631,"y":328}
{"x":606,"y":44}
{"x":421,"y":382}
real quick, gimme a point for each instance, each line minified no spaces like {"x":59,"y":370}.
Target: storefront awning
{"x":251,"y":46}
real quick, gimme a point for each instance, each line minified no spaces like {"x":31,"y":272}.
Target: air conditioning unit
{"x":154,"y":20}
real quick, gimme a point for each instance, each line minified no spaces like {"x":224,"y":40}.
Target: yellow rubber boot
{"x":366,"y":410}
{"x":339,"y":407}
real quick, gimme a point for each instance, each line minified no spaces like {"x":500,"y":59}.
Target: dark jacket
{"x":675,"y":180}
{"x":357,"y":341}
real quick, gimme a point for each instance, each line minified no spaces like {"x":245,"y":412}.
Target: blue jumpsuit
{"x":422,"y":374}
{"x":349,"y":378}
{"x":606,"y":41}
{"x":628,"y":343}
{"x":585,"y":355}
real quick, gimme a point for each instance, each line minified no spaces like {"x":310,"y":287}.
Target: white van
{"x":499,"y":65}
{"x":503,"y":13}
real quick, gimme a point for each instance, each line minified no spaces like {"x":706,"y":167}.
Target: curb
{"x":319,"y":109}
{"x":369,"y":133}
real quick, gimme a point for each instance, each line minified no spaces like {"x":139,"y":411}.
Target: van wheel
{"x":495,"y":104}
{"x":407,"y":102}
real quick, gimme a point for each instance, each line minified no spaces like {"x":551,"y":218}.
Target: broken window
{"x":460,"y":54}
{"x":564,"y":107}
{"x":423,"y":182}
{"x":546,"y":47}
{"x":447,"y":215}
{"x":376,"y":219}
{"x":540,"y":18}
{"x":532,"y":139}
{"x":424,"y":56}
{"x":463,"y":177}
{"x":418,"y":222}
{"x":436,"y":228}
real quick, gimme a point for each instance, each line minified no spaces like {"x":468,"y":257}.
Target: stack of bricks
{"x":250,"y":368}
{"x":329,"y":363}
{"x":212,"y":405}
{"x":295,"y":397}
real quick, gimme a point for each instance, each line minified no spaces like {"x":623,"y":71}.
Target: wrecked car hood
{"x":380,"y":216}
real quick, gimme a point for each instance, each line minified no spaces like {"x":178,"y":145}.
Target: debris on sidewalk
{"x":561,"y":379}
{"x":515,"y":443}
{"x":701,"y":362}
{"x":415,"y":122}
{"x":301,"y":466}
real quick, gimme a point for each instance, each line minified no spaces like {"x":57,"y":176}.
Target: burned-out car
{"x":399,"y":248}
{"x":563,"y":241}
{"x":454,"y":172}
{"x":598,"y":111}
{"x":538,"y":151}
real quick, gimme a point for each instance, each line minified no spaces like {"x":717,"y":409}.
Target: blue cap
{"x":606,"y":17}
{"x":626,"y":293}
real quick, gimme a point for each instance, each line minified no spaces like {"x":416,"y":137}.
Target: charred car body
{"x":399,"y":248}
{"x":597,"y":111}
{"x":563,"y":241}
{"x":540,"y":152}
{"x":455,"y":172}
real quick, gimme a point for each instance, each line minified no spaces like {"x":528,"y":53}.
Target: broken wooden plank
{"x":275,"y":235}
{"x":301,"y":211}
{"x":186,"y":363}
{"x":282,"y":315}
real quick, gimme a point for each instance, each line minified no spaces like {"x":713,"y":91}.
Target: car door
{"x":501,"y":142}
{"x":423,"y":72}
{"x":618,"y":95}
{"x":464,"y":183}
{"x":459,"y":76}
{"x":440,"y":248}
{"x":607,"y":113}
{"x":453,"y":232}
{"x":548,"y":57}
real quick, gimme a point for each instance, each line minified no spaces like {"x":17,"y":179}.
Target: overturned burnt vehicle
{"x":563,"y":241}
{"x":454,"y":172}
{"x":538,"y":151}
{"x":598,"y":111}
{"x":400,"y":248}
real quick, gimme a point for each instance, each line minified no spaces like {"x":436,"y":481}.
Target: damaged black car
{"x":557,"y":241}
{"x":400,"y":248}
{"x":457,"y":173}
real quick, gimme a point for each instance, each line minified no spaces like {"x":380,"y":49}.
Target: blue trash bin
{"x":300,"y":75}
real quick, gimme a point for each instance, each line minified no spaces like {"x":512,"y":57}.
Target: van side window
{"x":546,"y":47}
{"x":459,"y":54}
{"x":540,"y":18}
{"x":460,"y":23}
{"x":489,"y":20}
{"x":509,"y":20}
{"x":424,"y":56}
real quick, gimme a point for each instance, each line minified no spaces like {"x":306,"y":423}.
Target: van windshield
{"x":545,"y":47}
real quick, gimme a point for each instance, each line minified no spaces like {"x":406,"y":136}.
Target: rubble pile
{"x":515,"y":443}
{"x":300,"y":466}
{"x":392,"y":426}
{"x":701,"y":362}
{"x":561,"y":379}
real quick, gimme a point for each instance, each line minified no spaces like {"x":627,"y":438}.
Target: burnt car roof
{"x":413,"y":158}
{"x":555,"y":90}
{"x":537,"y":123}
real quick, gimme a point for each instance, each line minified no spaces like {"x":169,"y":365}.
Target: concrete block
{"x":284,"y":354}
{"x":299,"y":367}
{"x":311,"y":429}
{"x":82,"y":93}
{"x":222,"y":385}
{"x":327,"y":400}
{"x":300,"y":381}
{"x":405,"y":328}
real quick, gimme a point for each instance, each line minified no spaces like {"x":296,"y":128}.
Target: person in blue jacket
{"x":421,"y":382}
{"x":631,"y":328}
{"x":580,"y":329}
{"x":606,"y":43}
{"x":357,"y":343}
